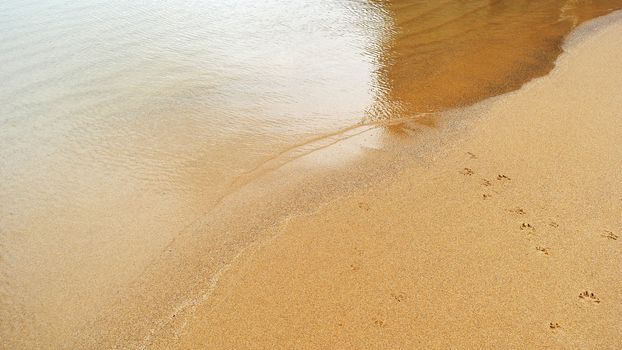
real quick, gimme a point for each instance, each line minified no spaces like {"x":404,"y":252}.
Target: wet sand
{"x":133,"y":192}
{"x":508,"y":237}
{"x":494,"y":47}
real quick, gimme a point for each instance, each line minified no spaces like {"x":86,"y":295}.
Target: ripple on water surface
{"x":121,"y":123}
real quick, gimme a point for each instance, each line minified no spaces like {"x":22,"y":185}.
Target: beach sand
{"x":492,"y":242}
{"x":319,"y":174}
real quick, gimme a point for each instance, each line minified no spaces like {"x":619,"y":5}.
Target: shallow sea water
{"x":122,"y":123}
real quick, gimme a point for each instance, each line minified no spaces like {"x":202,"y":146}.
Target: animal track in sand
{"x":399,"y":297}
{"x":589,"y":296}
{"x":471,"y":155}
{"x":609,"y":235}
{"x":517,"y":210}
{"x":486,"y":182}
{"x":467,"y":172}
{"x":354,"y":267}
{"x":525,"y":226}
{"x":543,"y":250}
{"x":502,"y":177}
{"x":364,"y":206}
{"x":486,"y":196}
{"x":379,"y":323}
{"x":554,"y":325}
{"x":553,"y":224}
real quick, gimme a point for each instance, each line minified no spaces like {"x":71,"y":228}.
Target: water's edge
{"x":187,"y":272}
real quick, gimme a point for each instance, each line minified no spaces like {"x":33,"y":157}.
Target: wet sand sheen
{"x":265,"y":295}
{"x":450,"y":53}
{"x":509,"y":239}
{"x":115,"y":186}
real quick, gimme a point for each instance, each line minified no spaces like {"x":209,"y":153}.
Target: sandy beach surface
{"x":509,"y":236}
{"x":311,"y":175}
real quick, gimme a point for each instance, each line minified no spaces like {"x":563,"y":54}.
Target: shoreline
{"x":140,"y":222}
{"x":483,"y":244}
{"x":189,"y":270}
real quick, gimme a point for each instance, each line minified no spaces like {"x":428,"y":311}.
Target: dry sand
{"x":488,"y":245}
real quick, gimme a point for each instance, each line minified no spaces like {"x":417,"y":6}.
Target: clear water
{"x":123,"y":122}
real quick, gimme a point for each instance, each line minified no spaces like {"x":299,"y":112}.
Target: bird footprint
{"x":554,"y":325}
{"x":544,"y":250}
{"x":467,"y":172}
{"x":609,"y":235}
{"x":589,"y":296}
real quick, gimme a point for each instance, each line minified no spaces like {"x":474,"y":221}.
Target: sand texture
{"x":509,"y":238}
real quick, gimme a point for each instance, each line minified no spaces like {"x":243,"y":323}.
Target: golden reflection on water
{"x":122,"y":123}
{"x":445,"y":54}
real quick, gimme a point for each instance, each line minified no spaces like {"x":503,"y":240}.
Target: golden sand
{"x":122,"y":204}
{"x":496,"y":226}
{"x":510,"y":237}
